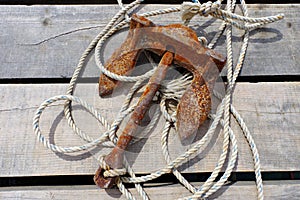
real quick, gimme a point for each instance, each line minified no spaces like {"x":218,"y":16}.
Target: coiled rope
{"x":174,"y":89}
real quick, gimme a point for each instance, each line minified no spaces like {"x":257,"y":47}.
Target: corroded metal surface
{"x":178,"y":44}
{"x":115,"y":158}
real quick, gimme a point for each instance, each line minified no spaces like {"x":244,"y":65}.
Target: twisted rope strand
{"x":189,"y":10}
{"x":164,"y":144}
{"x":172,"y":90}
{"x":78,"y":69}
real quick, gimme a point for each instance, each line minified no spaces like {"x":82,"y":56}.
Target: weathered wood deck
{"x":40,"y":47}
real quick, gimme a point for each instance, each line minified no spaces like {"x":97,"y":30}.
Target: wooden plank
{"x":47,"y":41}
{"x":274,"y":190}
{"x":66,"y":2}
{"x":271,"y":111}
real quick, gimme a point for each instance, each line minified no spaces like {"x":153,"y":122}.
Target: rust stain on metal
{"x":175,"y":43}
{"x":115,"y":158}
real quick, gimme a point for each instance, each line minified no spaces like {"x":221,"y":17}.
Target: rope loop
{"x":170,"y":90}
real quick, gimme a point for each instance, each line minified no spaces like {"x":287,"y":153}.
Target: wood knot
{"x":46,"y":22}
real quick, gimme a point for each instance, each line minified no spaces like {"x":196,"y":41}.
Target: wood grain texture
{"x":66,"y":2}
{"x":271,"y":111}
{"x":47,"y":41}
{"x":272,"y":191}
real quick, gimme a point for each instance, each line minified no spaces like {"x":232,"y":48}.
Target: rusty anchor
{"x":176,"y":44}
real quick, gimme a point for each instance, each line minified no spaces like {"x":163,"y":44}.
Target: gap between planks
{"x":270,"y":110}
{"x":273,"y":190}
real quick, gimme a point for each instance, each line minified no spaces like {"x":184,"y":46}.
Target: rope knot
{"x":190,"y":9}
{"x":108,"y":171}
{"x":114,"y":173}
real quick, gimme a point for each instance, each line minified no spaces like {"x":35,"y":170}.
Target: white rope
{"x":170,"y":90}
